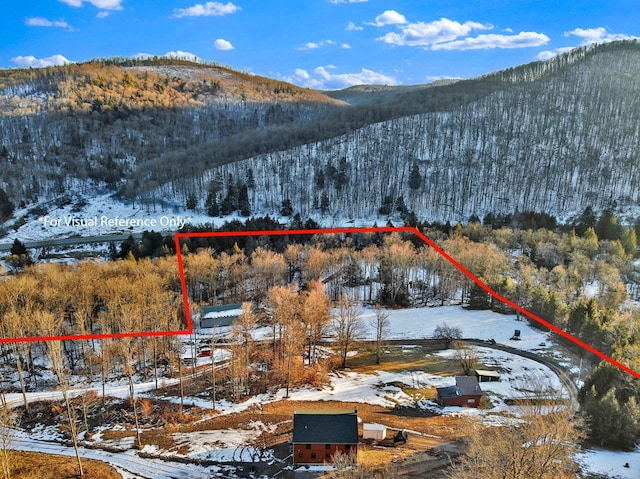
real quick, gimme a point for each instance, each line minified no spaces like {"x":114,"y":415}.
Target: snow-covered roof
{"x":486,"y":372}
{"x":372,"y":426}
{"x":223,"y":314}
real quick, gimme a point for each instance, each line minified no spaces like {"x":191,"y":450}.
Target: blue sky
{"x":325,"y":44}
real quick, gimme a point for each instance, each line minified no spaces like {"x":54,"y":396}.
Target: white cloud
{"x":336,"y":2}
{"x":102,"y":4}
{"x":432,"y":78}
{"x":492,"y":40}
{"x":33,"y":62}
{"x":597,"y":35}
{"x":302,"y":74}
{"x":316,"y":45}
{"x":310,"y":46}
{"x":345,"y":46}
{"x":353,"y":27}
{"x":323,"y":79}
{"x":206,"y":10}
{"x":546,"y":54}
{"x":102,"y":14}
{"x":427,"y":34}
{"x":588,"y":36}
{"x":179,"y":54}
{"x":389,"y":17}
{"x":222,"y":44}
{"x":43,"y":22}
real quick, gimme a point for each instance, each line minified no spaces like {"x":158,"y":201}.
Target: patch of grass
{"x":117,"y":434}
{"x":35,"y":465}
{"x":419,"y":394}
{"x":161,"y":438}
{"x":402,"y":358}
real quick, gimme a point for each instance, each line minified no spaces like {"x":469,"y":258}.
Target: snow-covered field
{"x":417,"y":323}
{"x":611,"y":464}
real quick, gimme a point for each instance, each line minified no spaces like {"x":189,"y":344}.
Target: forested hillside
{"x":563,"y":135}
{"x":553,"y":136}
{"x":108,"y":123}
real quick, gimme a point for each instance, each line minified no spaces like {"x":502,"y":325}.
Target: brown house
{"x":319,"y":435}
{"x":466,"y":393}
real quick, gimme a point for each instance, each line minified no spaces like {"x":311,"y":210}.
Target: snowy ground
{"x":416,"y":323}
{"x":611,"y":464}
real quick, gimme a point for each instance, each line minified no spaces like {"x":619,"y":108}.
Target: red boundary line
{"x":385,"y":229}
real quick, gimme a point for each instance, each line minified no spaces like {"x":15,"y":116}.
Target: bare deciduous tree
{"x":447,"y":333}
{"x":380,"y":323}
{"x":347,"y":324}
{"x":540,"y":445}
{"x":466,"y":357}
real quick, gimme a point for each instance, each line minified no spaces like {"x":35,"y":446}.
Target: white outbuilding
{"x":374,"y":431}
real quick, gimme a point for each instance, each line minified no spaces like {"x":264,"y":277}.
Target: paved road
{"x":563,"y":373}
{"x":75,"y":240}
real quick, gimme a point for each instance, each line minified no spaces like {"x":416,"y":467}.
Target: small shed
{"x":485,"y":376}
{"x":219,"y":316}
{"x":374,"y":431}
{"x":466,"y":393}
{"x":317,"y":436}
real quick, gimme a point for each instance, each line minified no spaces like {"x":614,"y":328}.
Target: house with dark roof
{"x":318,"y":435}
{"x":466,"y":393}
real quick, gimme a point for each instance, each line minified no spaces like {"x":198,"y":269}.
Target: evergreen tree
{"x":586,"y":220}
{"x":251,"y":182}
{"x":324,"y":203}
{"x":608,"y":226}
{"x":192,"y":201}
{"x":400,"y":205}
{"x":342,"y":177}
{"x":18,"y":248}
{"x":387,"y":205}
{"x":243,"y":201}
{"x":286,"y":209}
{"x":213,"y":209}
{"x":6,"y":206}
{"x":112,"y":252}
{"x":415,"y":179}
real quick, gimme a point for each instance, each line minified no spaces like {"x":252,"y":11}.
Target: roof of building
{"x":448,"y":391}
{"x":372,"y":426}
{"x":325,"y":428}
{"x":486,"y":372}
{"x":221,"y":311}
{"x":468,"y":385}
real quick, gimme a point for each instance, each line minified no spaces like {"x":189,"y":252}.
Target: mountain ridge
{"x":571,"y":118}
